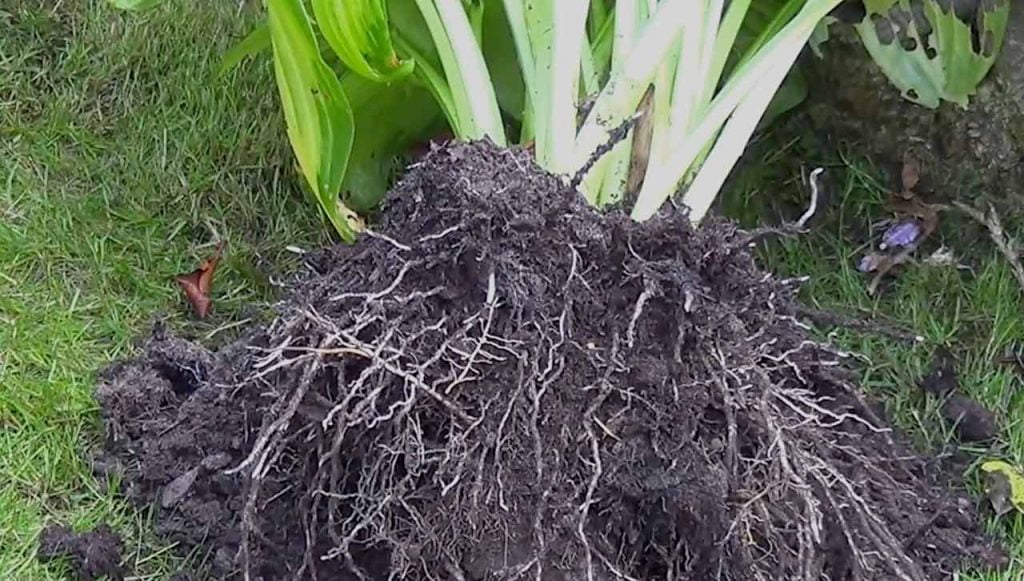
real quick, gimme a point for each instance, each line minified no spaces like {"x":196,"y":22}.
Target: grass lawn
{"x":123,"y":159}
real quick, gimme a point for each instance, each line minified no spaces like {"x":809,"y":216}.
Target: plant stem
{"x":778,"y":53}
{"x":621,"y":95}
{"x":468,"y":79}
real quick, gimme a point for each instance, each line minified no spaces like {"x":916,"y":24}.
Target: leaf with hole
{"x":933,"y":50}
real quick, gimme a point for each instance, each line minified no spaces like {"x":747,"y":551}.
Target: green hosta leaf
{"x":389,"y":119}
{"x":135,"y":4}
{"x":255,"y":42}
{"x":934,"y":50}
{"x":359,"y":33}
{"x":317,"y":113}
{"x":413,"y":39}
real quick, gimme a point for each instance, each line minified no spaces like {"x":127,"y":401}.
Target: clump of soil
{"x":501,"y":383}
{"x":91,"y":555}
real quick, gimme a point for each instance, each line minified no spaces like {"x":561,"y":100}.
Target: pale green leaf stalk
{"x":588,"y":68}
{"x":475,"y":113}
{"x":515,"y":11}
{"x":730,"y":142}
{"x":538,"y":20}
{"x":665,"y":88}
{"x":359,"y":33}
{"x":932,"y":57}
{"x":569,"y":26}
{"x":316,"y":111}
{"x":611,"y":178}
{"x":620,"y":97}
{"x":777,"y":54}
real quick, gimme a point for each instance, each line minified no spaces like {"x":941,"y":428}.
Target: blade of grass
{"x":255,"y":42}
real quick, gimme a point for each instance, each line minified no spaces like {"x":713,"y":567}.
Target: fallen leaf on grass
{"x":1004,"y":486}
{"x":197,"y":284}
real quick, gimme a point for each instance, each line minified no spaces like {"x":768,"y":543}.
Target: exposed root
{"x":509,"y":386}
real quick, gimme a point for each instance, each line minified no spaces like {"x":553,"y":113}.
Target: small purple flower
{"x":901,"y":234}
{"x":870,"y":262}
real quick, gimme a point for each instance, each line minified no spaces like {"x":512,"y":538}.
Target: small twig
{"x":1007,"y":245}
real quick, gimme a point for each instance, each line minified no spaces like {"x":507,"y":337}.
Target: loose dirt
{"x":501,"y":383}
{"x":91,"y":555}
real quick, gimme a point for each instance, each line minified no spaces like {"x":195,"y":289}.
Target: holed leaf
{"x":934,"y":50}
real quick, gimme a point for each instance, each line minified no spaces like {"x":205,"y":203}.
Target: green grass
{"x":122,"y":160}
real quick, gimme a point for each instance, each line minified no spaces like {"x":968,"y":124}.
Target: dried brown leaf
{"x":198,"y":283}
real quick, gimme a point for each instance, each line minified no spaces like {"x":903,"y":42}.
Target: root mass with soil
{"x":501,"y":383}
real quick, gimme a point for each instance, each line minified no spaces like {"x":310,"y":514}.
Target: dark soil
{"x":971,"y":421}
{"x":501,"y":383}
{"x":91,"y":555}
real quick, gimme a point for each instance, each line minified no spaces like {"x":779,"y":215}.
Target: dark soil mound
{"x":503,"y":384}
{"x":92,"y":555}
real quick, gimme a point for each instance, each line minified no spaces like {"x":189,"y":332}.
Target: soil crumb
{"x":499,"y":382}
{"x":91,"y":555}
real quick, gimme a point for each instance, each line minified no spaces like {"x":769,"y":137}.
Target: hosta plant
{"x":627,"y":99}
